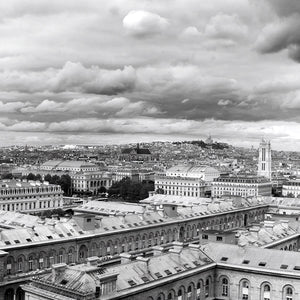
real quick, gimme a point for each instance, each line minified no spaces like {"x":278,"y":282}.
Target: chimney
{"x":98,"y":219}
{"x":269,"y":224}
{"x":285,"y":223}
{"x":144,"y":260}
{"x":57,"y":270}
{"x":92,"y":261}
{"x":125,"y":258}
{"x":177,"y":248}
{"x":157,"y":250}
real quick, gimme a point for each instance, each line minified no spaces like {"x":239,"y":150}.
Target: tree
{"x":48,"y":178}
{"x":31,"y":176}
{"x":131,"y":191}
{"x":102,"y":190}
{"x":65,"y":183}
{"x":7,"y":176}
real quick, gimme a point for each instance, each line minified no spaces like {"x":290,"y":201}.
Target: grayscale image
{"x":150,"y":150}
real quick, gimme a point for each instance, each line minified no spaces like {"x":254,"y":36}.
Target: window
{"x":288,"y":293}
{"x":198,"y":291}
{"x":245,"y":290}
{"x":30,"y":263}
{"x":204,"y":236}
{"x":219,"y":238}
{"x":180,"y":295}
{"x":224,"y":287}
{"x":266,"y":292}
{"x":189,"y":293}
{"x":20,"y":264}
{"x":207,"y":288}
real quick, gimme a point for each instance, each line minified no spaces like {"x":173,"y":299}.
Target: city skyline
{"x":100,"y":72}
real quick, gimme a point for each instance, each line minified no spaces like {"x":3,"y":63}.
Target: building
{"x":29,"y":196}
{"x":291,"y":188}
{"x":180,"y":186}
{"x":68,"y":166}
{"x":244,"y":186}
{"x":264,"y":159}
{"x":190,"y":181}
{"x":214,"y":271}
{"x":137,"y":154}
{"x":205,"y":173}
{"x":29,"y":247}
{"x":91,"y":181}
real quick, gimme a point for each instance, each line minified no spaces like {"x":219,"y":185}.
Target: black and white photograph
{"x":150,"y":150}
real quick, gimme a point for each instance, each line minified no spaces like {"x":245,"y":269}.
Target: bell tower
{"x":264,"y":159}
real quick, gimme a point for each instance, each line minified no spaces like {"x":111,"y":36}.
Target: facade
{"x":180,"y":186}
{"x":213,"y":271}
{"x":29,"y":196}
{"x":265,"y":159}
{"x":68,"y":166}
{"x":241,"y":186}
{"x":91,"y":181}
{"x":291,"y":188}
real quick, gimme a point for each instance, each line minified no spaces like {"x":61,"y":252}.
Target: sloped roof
{"x":235,"y":255}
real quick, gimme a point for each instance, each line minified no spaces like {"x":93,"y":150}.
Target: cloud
{"x":283,"y":33}
{"x":119,"y":106}
{"x":11,"y":107}
{"x":191,"y":32}
{"x":223,"y":102}
{"x":223,"y":26}
{"x":143,"y":23}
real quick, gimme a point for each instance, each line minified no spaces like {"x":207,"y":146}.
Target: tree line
{"x":130,"y":191}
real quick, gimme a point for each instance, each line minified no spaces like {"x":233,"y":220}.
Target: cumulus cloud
{"x":119,"y":106}
{"x":283,"y":33}
{"x":191,"y":32}
{"x":224,"y":102}
{"x":223,"y":26}
{"x":143,"y":23}
{"x":10,"y":107}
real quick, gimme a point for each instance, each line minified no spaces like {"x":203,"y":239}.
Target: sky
{"x":95,"y":71}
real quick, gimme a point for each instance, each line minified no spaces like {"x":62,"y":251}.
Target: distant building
{"x":265,"y":160}
{"x":137,"y":154}
{"x":206,"y":173}
{"x":68,"y":166}
{"x":291,"y":188}
{"x":29,"y":196}
{"x":180,"y":186}
{"x":190,"y":181}
{"x":241,"y":186}
{"x":91,"y":181}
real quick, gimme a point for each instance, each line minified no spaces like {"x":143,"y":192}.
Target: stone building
{"x":213,"y":272}
{"x":291,"y":188}
{"x":29,"y":196}
{"x":265,"y":159}
{"x":244,"y":186}
{"x":30,"y":250}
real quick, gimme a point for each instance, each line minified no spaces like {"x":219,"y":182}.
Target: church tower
{"x":264,"y":159}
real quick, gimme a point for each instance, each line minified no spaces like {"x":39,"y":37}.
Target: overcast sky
{"x":100,"y":71}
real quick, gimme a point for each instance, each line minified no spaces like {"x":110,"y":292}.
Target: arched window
{"x":266,"y":292}
{"x":244,"y":290}
{"x":180,"y":295}
{"x":189,"y":293}
{"x":224,"y":287}
{"x":198,"y":290}
{"x":288,"y":293}
{"x":207,"y":288}
{"x":30,"y":263}
{"x":20,"y":264}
